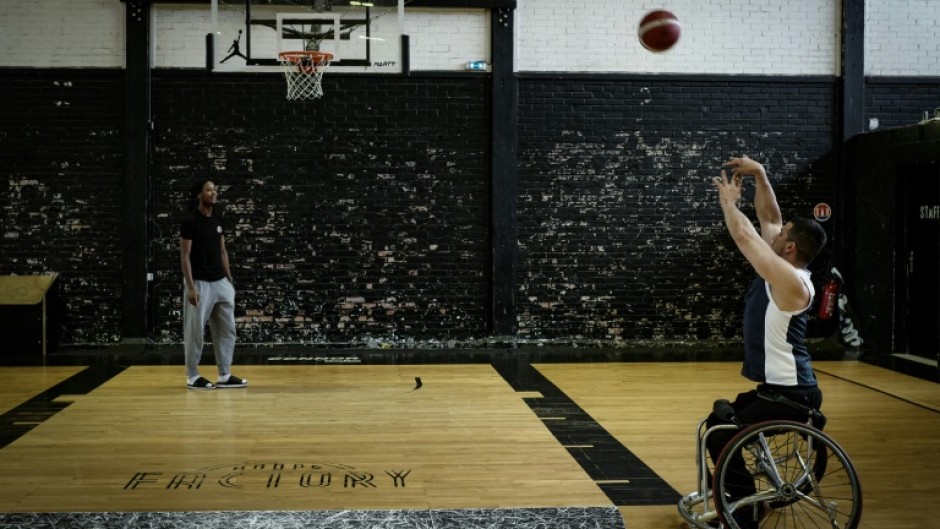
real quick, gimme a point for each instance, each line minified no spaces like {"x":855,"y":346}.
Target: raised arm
{"x":786,"y":287}
{"x":765,"y":200}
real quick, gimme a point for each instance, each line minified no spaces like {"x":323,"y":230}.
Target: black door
{"x":920,"y":246}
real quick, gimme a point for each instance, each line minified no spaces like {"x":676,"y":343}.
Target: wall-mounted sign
{"x":822,"y":212}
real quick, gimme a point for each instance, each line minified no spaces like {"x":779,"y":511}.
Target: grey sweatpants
{"x":217,"y":308}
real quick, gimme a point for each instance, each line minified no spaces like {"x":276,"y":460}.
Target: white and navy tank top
{"x":774,"y":340}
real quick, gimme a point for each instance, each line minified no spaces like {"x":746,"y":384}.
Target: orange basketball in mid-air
{"x":659,"y":30}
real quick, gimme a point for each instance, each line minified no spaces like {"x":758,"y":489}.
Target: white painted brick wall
{"x":902,"y":38}
{"x":783,"y":37}
{"x":179,"y":33}
{"x":62,"y":33}
{"x":772,"y":37}
{"x":446,"y":39}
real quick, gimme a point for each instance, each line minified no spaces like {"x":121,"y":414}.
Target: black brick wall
{"x":360,"y":217}
{"x":900,"y":101}
{"x":61,"y":152}
{"x":620,"y":233}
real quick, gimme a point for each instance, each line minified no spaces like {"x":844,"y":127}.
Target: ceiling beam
{"x":462,"y":4}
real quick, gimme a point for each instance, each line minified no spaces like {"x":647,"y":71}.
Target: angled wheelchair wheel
{"x":785,"y":474}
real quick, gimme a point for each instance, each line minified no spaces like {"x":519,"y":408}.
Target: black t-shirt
{"x":205,"y":256}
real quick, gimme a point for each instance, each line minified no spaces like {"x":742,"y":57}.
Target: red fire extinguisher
{"x":827,"y":304}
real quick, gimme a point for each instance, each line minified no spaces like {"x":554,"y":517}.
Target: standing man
{"x":776,"y":311}
{"x":209,"y":295}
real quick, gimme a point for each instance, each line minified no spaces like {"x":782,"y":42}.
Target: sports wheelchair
{"x":802,"y":478}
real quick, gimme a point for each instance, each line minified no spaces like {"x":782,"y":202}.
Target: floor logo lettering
{"x":270,"y":476}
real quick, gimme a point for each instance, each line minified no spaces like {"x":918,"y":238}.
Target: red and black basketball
{"x":659,"y":30}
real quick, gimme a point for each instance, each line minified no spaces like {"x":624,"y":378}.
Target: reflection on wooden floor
{"x":360,"y":437}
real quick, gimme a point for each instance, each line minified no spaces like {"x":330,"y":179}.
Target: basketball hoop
{"x":303,"y":71}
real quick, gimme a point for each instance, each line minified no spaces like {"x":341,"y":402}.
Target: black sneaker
{"x":232,"y":382}
{"x":200,"y":383}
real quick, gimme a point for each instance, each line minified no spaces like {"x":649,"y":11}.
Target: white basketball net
{"x":303,"y":71}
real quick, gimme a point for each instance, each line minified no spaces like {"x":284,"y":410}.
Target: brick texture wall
{"x":901,"y":38}
{"x":357,"y":218}
{"x":901,"y":101}
{"x":361,"y":218}
{"x":620,"y":234}
{"x":61,"y":172}
{"x":794,"y":38}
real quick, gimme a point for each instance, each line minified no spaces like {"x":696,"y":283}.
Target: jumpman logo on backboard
{"x":235,"y":49}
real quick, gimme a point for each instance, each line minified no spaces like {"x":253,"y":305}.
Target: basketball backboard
{"x":361,"y":35}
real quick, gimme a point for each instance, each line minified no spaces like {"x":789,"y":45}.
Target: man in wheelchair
{"x":775,"y":314}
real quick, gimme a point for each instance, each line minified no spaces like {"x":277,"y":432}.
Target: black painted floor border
{"x":18,"y":421}
{"x":621,"y":475}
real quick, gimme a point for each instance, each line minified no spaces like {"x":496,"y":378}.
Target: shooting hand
{"x":729,"y":192}
{"x":744,"y":166}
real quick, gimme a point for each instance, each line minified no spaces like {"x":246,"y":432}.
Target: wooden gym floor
{"x":606,"y":444}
